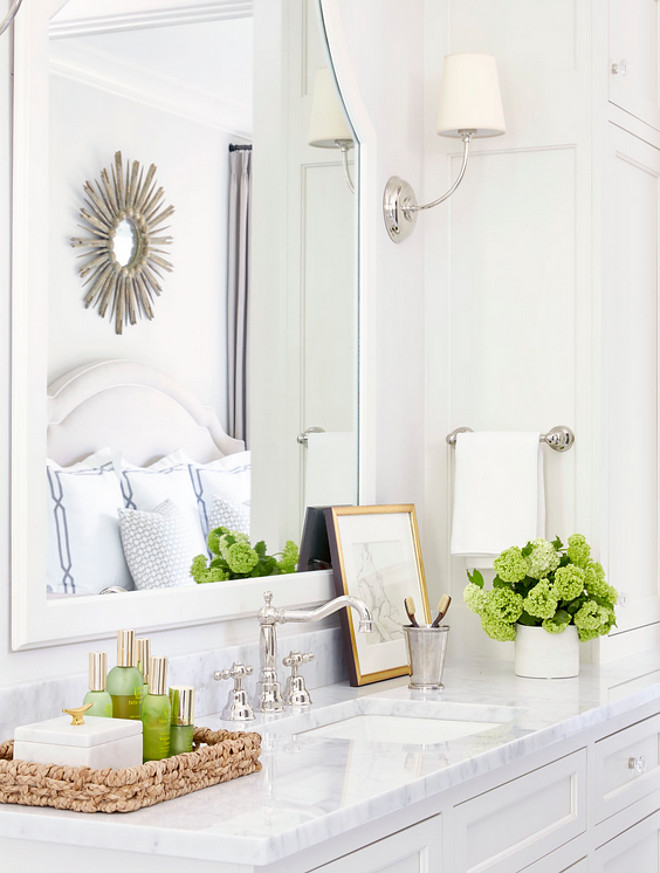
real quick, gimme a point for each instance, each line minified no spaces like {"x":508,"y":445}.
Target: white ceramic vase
{"x":541,"y":655}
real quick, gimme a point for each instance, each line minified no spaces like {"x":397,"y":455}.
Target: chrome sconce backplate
{"x":399,"y":209}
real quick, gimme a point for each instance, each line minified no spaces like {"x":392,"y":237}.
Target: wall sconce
{"x":470,"y":107}
{"x":327,"y":126}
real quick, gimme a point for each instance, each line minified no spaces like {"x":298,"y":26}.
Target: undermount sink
{"x":399,"y":729}
{"x":386,"y":720}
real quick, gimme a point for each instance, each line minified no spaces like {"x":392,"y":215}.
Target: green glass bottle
{"x":156,"y":714}
{"x":97,"y":695}
{"x":182,"y":698}
{"x":124,"y":682}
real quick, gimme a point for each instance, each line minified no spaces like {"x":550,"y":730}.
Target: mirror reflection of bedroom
{"x":151,"y":436}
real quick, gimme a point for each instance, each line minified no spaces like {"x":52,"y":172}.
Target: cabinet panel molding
{"x":517,"y":823}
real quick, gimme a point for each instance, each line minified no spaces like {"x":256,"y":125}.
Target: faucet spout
{"x":326,"y":609}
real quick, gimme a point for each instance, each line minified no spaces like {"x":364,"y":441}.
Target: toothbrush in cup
{"x":409,"y":604}
{"x":443,"y":606}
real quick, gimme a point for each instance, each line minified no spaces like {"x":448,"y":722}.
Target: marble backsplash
{"x":35,"y":701}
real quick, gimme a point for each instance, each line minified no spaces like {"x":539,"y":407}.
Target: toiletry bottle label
{"x":127,"y":705}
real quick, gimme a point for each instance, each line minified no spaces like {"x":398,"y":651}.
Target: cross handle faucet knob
{"x":295,"y":659}
{"x":237,"y":673}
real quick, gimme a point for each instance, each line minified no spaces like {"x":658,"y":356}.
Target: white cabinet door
{"x":414,"y":850}
{"x":634,"y":58}
{"x":629,"y":345}
{"x":637,"y":850}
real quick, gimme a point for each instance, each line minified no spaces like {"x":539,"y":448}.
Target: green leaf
{"x":527,"y":550}
{"x":476,"y":578}
{"x":260,"y":548}
{"x":528,"y":620}
{"x":500,"y":583}
{"x":557,"y":543}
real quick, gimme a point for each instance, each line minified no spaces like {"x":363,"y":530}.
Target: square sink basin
{"x":399,"y":729}
{"x":383,"y":720}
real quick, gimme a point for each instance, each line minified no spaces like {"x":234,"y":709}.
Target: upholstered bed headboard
{"x":137,"y":409}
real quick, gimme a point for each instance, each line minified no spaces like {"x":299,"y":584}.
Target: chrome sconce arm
{"x":400,"y":205}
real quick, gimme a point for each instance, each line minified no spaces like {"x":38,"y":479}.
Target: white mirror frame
{"x":37,"y":622}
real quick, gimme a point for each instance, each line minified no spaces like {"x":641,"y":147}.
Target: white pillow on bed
{"x":84,"y":551}
{"x":145,"y":488}
{"x":159,"y":546}
{"x":234,"y":516}
{"x":227,"y":478}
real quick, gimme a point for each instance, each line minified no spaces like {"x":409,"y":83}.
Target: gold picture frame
{"x":376,"y":556}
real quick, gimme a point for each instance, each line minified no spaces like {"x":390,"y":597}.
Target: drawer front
{"x":515,"y":824}
{"x":637,"y":850}
{"x":626,"y":767}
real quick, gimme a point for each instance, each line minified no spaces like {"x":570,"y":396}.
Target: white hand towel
{"x":498,"y":493}
{"x":330,"y":468}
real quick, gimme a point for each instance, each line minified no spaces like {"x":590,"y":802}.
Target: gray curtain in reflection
{"x":238,"y":285}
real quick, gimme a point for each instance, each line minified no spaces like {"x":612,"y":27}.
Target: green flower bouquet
{"x":545,"y":584}
{"x":235,"y":558}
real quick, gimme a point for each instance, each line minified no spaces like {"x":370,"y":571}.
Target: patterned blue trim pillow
{"x":84,"y":552}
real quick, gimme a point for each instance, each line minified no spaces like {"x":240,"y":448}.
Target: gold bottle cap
{"x":144,"y":656}
{"x":158,"y":676}
{"x":97,"y":671}
{"x":125,"y":648}
{"x":182,"y":698}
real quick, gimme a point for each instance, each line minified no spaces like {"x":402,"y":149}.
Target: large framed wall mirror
{"x":90,"y":80}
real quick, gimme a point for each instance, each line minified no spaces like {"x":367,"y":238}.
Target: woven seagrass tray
{"x":217,"y":756}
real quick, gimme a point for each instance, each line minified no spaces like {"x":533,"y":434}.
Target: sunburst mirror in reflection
{"x":124,"y":214}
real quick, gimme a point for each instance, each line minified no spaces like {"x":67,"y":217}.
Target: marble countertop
{"x":312,"y":787}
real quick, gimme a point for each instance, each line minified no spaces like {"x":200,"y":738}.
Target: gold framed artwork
{"x":376,"y":556}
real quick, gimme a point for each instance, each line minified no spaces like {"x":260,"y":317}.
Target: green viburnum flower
{"x":541,"y":601}
{"x":240,"y":557}
{"x":557,"y":622}
{"x":497,"y":629}
{"x":543,"y":559}
{"x":503,"y":604}
{"x":289,"y":559}
{"x":578,"y":550}
{"x":596,"y":586}
{"x":213,"y":539}
{"x":593,"y":621}
{"x":474,"y":597}
{"x":569,"y":582}
{"x":228,"y":539}
{"x":511,"y":565}
{"x":590,"y":616}
{"x":203,"y":574}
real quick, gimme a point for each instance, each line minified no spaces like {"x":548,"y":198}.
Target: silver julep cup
{"x":427,"y":648}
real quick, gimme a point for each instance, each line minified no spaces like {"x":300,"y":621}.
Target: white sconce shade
{"x":327,"y":126}
{"x":470,"y":96}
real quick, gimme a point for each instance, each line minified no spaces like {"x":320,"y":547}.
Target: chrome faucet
{"x":269,"y":691}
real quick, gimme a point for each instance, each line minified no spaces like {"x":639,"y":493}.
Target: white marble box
{"x":98,"y":743}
